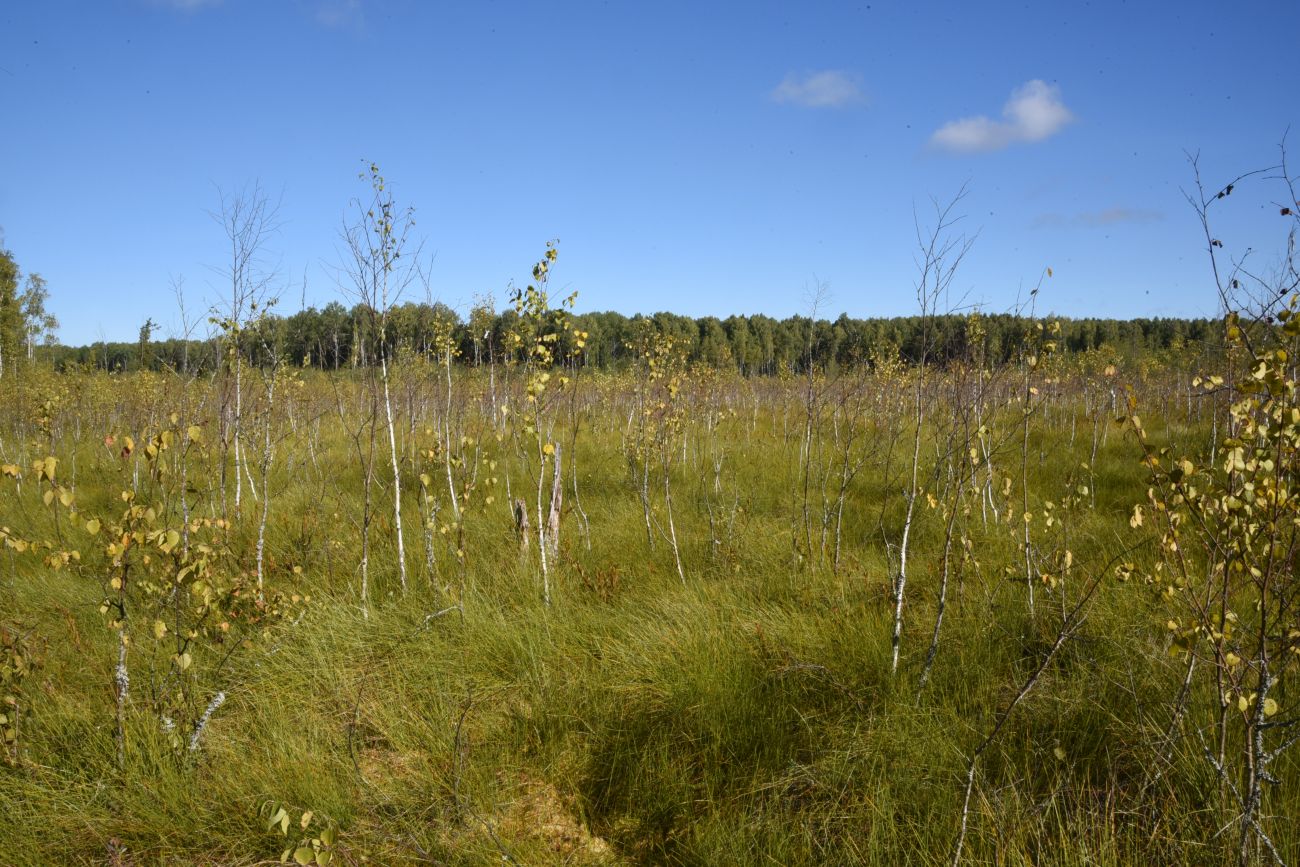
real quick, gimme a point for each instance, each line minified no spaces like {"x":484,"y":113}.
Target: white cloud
{"x":829,"y":88}
{"x":1033,"y":113}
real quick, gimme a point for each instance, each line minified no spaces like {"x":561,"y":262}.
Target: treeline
{"x":336,"y":337}
{"x":24,"y":321}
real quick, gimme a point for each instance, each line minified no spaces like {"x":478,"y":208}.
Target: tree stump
{"x":522,"y":526}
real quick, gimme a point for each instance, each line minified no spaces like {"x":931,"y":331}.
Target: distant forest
{"x":337,"y":337}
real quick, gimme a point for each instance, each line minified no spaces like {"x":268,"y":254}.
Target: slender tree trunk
{"x":1024,"y":487}
{"x":122,"y":688}
{"x":446,"y":440}
{"x":239,"y":412}
{"x":672,"y":529}
{"x":397,"y":476}
{"x":556,"y":507}
{"x":266,"y":488}
{"x":944,"y":572}
{"x":900,"y":583}
{"x":543,"y":546}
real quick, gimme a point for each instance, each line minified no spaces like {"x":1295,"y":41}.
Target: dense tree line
{"x":24,"y":321}
{"x":337,"y":337}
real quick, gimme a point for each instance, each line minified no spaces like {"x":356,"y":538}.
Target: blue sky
{"x":703,"y":158}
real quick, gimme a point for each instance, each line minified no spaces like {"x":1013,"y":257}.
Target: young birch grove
{"x":425,"y":590}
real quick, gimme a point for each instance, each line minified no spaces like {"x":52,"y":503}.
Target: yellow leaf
{"x":159,"y":629}
{"x":92,"y":526}
{"x":1270,"y":707}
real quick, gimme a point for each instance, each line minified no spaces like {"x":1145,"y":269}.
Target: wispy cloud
{"x":1033,"y":113}
{"x":185,"y":5}
{"x":830,"y":88}
{"x":1097,"y":219}
{"x":339,"y":13}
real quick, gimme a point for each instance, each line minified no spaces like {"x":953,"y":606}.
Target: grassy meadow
{"x":703,"y":670}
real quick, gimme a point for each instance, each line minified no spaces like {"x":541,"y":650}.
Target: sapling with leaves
{"x":248,"y":220}
{"x":857,"y":436}
{"x":185,"y":612}
{"x":21,"y":655}
{"x":461,"y":458}
{"x":709,"y":404}
{"x":958,"y":460}
{"x":191,"y":433}
{"x":1229,"y":538}
{"x":445,"y":346}
{"x":639,"y":437}
{"x":661,"y":372}
{"x":810,"y":447}
{"x":375,"y":243}
{"x":940,"y":254}
{"x":175,"y":609}
{"x":362,"y":436}
{"x":977,"y":347}
{"x":310,"y":840}
{"x":273,"y":374}
{"x":1038,"y":342}
{"x":1074,"y":612}
{"x":575,"y":356}
{"x":537,"y":340}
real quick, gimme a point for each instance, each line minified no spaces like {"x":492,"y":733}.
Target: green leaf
{"x":275,"y":818}
{"x":304,"y":855}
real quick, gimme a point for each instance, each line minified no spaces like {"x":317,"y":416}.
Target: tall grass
{"x":746,"y":717}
